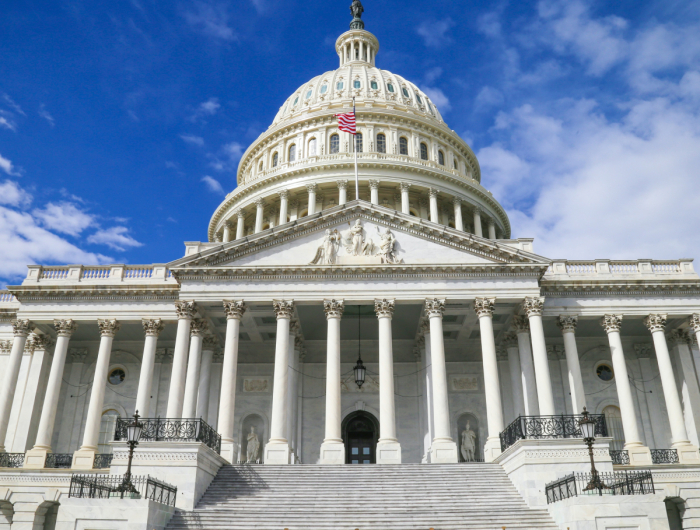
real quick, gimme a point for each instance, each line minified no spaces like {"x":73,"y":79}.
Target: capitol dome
{"x":408,"y":159}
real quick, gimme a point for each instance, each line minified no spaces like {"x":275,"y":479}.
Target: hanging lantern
{"x":359,"y":373}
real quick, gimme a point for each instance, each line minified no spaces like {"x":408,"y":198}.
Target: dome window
{"x":312,"y":147}
{"x":420,"y":101}
{"x":390,"y":87}
{"x":292,"y":152}
{"x":374,"y":85}
{"x":381,"y":143}
{"x":454,"y":162}
{"x":357,"y":84}
{"x":405,"y":92}
{"x":308,"y":94}
{"x":324,"y":89}
{"x":275,"y":159}
{"x":358,"y":142}
{"x":335,"y":143}
{"x":403,"y":146}
{"x":339,"y":85}
{"x":423,"y":151}
{"x":260,"y":167}
{"x":296,"y":100}
{"x":441,"y":158}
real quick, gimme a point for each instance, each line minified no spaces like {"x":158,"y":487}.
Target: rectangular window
{"x":381,"y":143}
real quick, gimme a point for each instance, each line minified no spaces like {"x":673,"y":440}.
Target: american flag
{"x":346,"y":122}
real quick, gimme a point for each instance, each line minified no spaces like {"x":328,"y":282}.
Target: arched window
{"x":312,"y":147}
{"x":292,"y":152}
{"x":275,"y":159}
{"x":335,"y":143}
{"x":324,"y":89}
{"x":405,"y":92}
{"x":403,"y":146}
{"x":296,"y":100}
{"x":339,"y":85}
{"x":107,"y":426}
{"x":441,"y":158}
{"x":381,"y":143}
{"x":357,"y":84}
{"x":423,"y":151}
{"x":308,"y":94}
{"x":374,"y":85}
{"x":358,"y":142}
{"x":390,"y":87}
{"x":454,"y":161}
{"x":260,"y":166}
{"x":420,"y":101}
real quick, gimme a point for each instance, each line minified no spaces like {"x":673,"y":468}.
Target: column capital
{"x":484,"y":306}
{"x":65,"y":327}
{"x":521,"y":324}
{"x":240,"y":213}
{"x":457,"y":201}
{"x":152,"y":327}
{"x":78,"y":355}
{"x":611,"y":323}
{"x":643,"y":351}
{"x":478,"y":210}
{"x":655,"y":322}
{"x":434,"y":307}
{"x":41,"y":342}
{"x":433,"y":192}
{"x":384,"y":307}
{"x":333,"y":308}
{"x":234,"y":309}
{"x":5,"y":347}
{"x":259,"y":202}
{"x":567,"y":324}
{"x":342,"y":184}
{"x":501,"y":354}
{"x":679,"y":336}
{"x":404,"y":186}
{"x":533,"y":306}
{"x":185,"y":309}
{"x":108,"y":326}
{"x":373,"y":184}
{"x":694,"y":322}
{"x":211,"y":343}
{"x":283,"y":308}
{"x":22,"y":328}
{"x":510,"y":339}
{"x":284,"y":194}
{"x":198,"y":327}
{"x":424,"y":326}
{"x":311,"y":188}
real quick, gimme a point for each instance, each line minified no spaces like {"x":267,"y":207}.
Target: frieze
{"x":464,"y":382}
{"x":256,"y":385}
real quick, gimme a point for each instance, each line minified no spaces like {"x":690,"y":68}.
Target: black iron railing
{"x":172,"y":430}
{"x":11,"y":459}
{"x":619,"y":457}
{"x":664,"y":456}
{"x":103,"y":460}
{"x":59,"y":460}
{"x":538,"y":427}
{"x":615,"y":483}
{"x":108,"y":486}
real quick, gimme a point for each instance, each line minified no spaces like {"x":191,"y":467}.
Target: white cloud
{"x":489,"y":24}
{"x":211,"y":19}
{"x":12,"y":195}
{"x":206,"y":108}
{"x":45,"y":114}
{"x":212,"y":184}
{"x":432,"y":74}
{"x":7,"y":124}
{"x":14,"y":106}
{"x":64,"y":217}
{"x":227,"y":158}
{"x":488,"y":97}
{"x":434,"y":32}
{"x":7,"y":166}
{"x":191,"y":139}
{"x":116,"y":237}
{"x":438,"y":97}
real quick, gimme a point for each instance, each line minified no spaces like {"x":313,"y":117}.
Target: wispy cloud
{"x":45,"y":114}
{"x":64,"y":217}
{"x":193,"y":140}
{"x":11,"y":194}
{"x":211,"y":19}
{"x":116,"y":237}
{"x":14,"y":106}
{"x":439,"y":98}
{"x":212,"y":184}
{"x":9,"y":168}
{"x":207,"y":108}
{"x":227,"y":158}
{"x":434,"y":32}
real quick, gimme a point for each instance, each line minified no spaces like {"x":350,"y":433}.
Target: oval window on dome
{"x":374,"y":85}
{"x":390,"y":87}
{"x":324,"y":89}
{"x":419,"y":100}
{"x":339,"y":85}
{"x":405,"y":92}
{"x":296,"y":100}
{"x":308,"y":94}
{"x":357,"y":83}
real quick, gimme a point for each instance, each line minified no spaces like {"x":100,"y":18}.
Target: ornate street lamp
{"x":359,"y":369}
{"x":587,"y":425}
{"x":133,"y":434}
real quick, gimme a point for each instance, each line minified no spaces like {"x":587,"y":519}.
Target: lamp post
{"x":587,"y":425}
{"x":133,"y":434}
{"x":359,"y":369}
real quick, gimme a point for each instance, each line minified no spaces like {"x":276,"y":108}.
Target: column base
{"x":36,"y":458}
{"x":277,"y":453}
{"x":443,"y":452}
{"x":229,"y":451}
{"x":84,"y":459}
{"x":388,"y":452}
{"x":687,"y":453}
{"x":492,"y":449}
{"x":640,"y":455}
{"x":332,"y":453}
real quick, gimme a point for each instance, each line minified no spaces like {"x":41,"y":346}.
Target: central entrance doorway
{"x":360,"y":433}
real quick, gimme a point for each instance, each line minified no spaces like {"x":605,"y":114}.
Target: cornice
{"x":679,"y":288}
{"x":31,"y":293}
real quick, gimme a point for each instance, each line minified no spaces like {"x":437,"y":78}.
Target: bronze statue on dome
{"x":356,"y":11}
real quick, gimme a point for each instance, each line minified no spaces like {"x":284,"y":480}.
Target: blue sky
{"x":122,"y":123}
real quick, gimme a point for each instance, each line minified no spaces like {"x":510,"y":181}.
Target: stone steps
{"x":397,"y":497}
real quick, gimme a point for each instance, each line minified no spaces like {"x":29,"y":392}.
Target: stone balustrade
{"x":156,"y":273}
{"x":609,"y":269}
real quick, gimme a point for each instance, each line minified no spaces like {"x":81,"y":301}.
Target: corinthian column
{"x":36,"y":457}
{"x":443,"y":450}
{"x":434,"y":212}
{"x":259,"y":210}
{"x":388,"y":447}
{"x":85,"y":457}
{"x":374,"y":191}
{"x":234,"y":310}
{"x":333,"y":448}
{"x":478,"y":231}
{"x":209,"y":344}
{"x":185,"y":314}
{"x":527,"y":374}
{"x":240,"y":223}
{"x":311,"y":188}
{"x":284,"y":201}
{"x":277,"y":449}
{"x":687,"y":453}
{"x":510,"y":341}
{"x":152,"y":328}
{"x":459,"y":223}
{"x":342,"y":191}
{"x":227,"y":232}
{"x":492,"y":388}
{"x":638,"y":453}
{"x":405,"y":203}
{"x":194,"y":364}
{"x":567,"y":324}
{"x":533,"y":308}
{"x":20,"y":330}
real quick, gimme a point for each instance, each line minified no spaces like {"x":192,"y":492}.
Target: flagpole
{"x":354,"y":149}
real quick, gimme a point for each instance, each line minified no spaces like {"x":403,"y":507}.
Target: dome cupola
{"x":357,"y":46}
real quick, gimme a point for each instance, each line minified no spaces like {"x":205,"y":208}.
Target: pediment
{"x":359,"y":234}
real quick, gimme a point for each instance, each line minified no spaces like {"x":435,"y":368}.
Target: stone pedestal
{"x":332,"y":453}
{"x":134,"y":514}
{"x":443,"y":452}
{"x":388,"y":452}
{"x":35,"y":458}
{"x":492,"y":448}
{"x":277,"y":453}
{"x":84,"y":459}
{"x":640,"y":455}
{"x":229,"y":452}
{"x":687,"y":454}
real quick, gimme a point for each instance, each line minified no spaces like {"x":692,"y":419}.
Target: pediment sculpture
{"x":355,"y":248}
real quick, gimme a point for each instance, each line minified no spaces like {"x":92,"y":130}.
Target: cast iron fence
{"x":103,"y":460}
{"x":537,"y":427}
{"x":664,"y":456}
{"x":108,"y":486}
{"x":11,"y":459}
{"x":59,"y":460}
{"x":172,"y":430}
{"x":614,"y":483}
{"x":620,"y":457}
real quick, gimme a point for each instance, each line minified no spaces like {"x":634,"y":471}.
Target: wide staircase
{"x":400,"y":497}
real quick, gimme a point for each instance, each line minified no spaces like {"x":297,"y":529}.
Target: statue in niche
{"x":253,"y":447}
{"x":387,"y":251}
{"x":328,"y":251}
{"x":356,"y":244}
{"x":468,"y":443}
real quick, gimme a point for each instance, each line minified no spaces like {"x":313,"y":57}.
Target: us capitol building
{"x":318,"y":327}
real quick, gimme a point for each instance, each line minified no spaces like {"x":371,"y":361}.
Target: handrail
{"x":539,"y":427}
{"x":606,"y":483}
{"x":172,"y":430}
